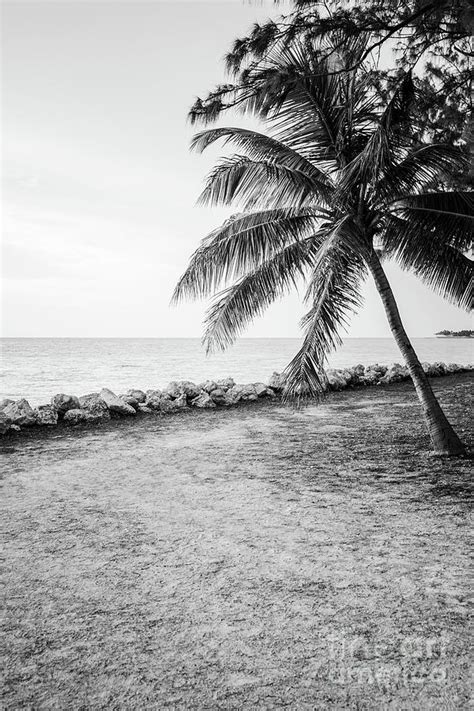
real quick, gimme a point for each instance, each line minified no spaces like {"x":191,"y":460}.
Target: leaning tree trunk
{"x":444,"y":439}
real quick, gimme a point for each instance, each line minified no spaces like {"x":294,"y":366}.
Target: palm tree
{"x":338,"y":184}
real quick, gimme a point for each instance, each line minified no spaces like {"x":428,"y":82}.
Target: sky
{"x":99,"y":186}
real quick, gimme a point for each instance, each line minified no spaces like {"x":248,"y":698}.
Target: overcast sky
{"x":99,"y":188}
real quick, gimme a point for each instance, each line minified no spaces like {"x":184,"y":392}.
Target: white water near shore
{"x":37,"y":368}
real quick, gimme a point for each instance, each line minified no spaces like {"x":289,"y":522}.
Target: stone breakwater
{"x":182,"y":395}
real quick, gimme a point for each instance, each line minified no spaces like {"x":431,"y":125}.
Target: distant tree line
{"x":462,"y":334}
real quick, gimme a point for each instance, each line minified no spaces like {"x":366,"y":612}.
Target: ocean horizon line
{"x":189,"y":338}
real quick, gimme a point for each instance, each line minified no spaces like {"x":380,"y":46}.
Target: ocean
{"x":37,"y":368}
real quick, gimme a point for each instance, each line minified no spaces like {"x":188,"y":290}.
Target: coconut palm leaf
{"x":426,"y":251}
{"x":419,"y":170}
{"x":260,"y":184}
{"x":258,"y":146}
{"x":447,"y":271}
{"x":297,"y":95}
{"x":237,"y":306}
{"x":334,"y":291}
{"x":241,"y":244}
{"x":448,"y":215}
{"x":379,"y":154}
{"x":459,"y":203}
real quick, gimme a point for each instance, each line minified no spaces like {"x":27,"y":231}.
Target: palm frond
{"x":294,"y":91}
{"x":260,"y":184}
{"x":419,"y":170}
{"x":457,"y":203}
{"x":449,"y":216}
{"x":427,"y":252}
{"x":258,"y":146}
{"x":242,"y":243}
{"x":335,"y":294}
{"x":379,"y":154}
{"x":237,"y":306}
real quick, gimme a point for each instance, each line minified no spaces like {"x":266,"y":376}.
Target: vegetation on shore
{"x":343,"y":177}
{"x":458,"y":334}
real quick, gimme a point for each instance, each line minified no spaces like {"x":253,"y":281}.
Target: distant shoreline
{"x":199,"y":338}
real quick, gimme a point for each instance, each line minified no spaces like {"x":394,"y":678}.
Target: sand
{"x":253,"y":557}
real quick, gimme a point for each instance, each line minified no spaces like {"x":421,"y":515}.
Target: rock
{"x":348,"y":376}
{"x":434,"y":369}
{"x":191,"y":390}
{"x":225,"y":383}
{"x":241,"y":392}
{"x":248,"y":392}
{"x":382,"y":369}
{"x":15,"y":428}
{"x":371,"y":377}
{"x":373,"y":373}
{"x":177,"y":390}
{"x":46,"y":415}
{"x":277,"y":382}
{"x":218,"y":396}
{"x":208,"y":386}
{"x":162,"y":401}
{"x":396,"y":373}
{"x":94,"y":407}
{"x":261,"y":390}
{"x":115,"y":404}
{"x":130,"y":401}
{"x":357,"y":373}
{"x":437,"y":369}
{"x":181,"y":402}
{"x":168,"y":406}
{"x":137,"y":395}
{"x":20,"y":413}
{"x":154,"y":398}
{"x":4,"y":423}
{"x":5,"y":402}
{"x":173,"y":390}
{"x":77,"y":415}
{"x":62,"y":403}
{"x":454,"y":368}
{"x":335,"y":380}
{"x":144,"y":408}
{"x":232,"y":396}
{"x":203,"y":401}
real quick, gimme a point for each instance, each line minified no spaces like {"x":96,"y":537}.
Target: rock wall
{"x":182,"y":395}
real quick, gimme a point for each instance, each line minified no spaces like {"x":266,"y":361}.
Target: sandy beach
{"x":237,"y":355}
{"x":250,"y":557}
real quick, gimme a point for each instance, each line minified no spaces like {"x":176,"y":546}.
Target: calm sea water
{"x":37,"y":368}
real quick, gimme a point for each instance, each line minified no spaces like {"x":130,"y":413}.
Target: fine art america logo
{"x":411,"y":660}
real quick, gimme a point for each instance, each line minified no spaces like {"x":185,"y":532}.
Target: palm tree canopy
{"x":334,"y":173}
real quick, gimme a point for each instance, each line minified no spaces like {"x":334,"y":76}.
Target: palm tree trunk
{"x":443,"y":438}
